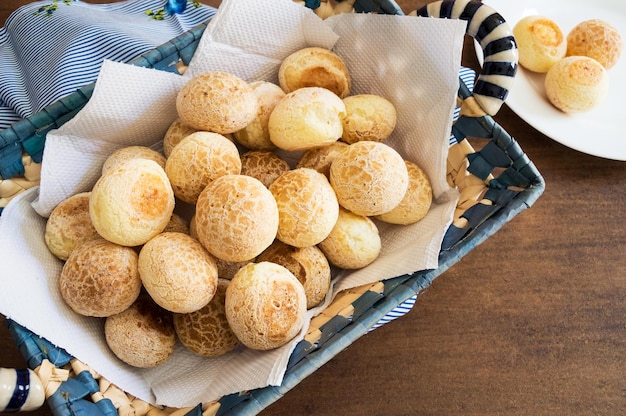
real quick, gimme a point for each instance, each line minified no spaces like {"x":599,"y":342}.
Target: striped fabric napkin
{"x":49,"y":52}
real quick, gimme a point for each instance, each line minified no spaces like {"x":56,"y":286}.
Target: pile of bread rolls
{"x":575,"y":65}
{"x":219,"y":242}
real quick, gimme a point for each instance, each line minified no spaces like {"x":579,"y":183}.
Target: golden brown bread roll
{"x":132,"y":203}
{"x":69,"y":225}
{"x":206,"y":331}
{"x":596,"y":39}
{"x":177,"y":224}
{"x":141,"y":336}
{"x":177,"y":272}
{"x":576,"y":83}
{"x":541,"y":42}
{"x":307,"y":207}
{"x":265,"y":305}
{"x":236,"y":218}
{"x":369,"y":178}
{"x":417,"y":199}
{"x":307,"y":118}
{"x":131,"y":152}
{"x":227,"y":269}
{"x":320,"y":158}
{"x":263,"y":165}
{"x":353,"y":243}
{"x":198,"y":159}
{"x":177,"y":131}
{"x":314,"y":67}
{"x":308,"y":264}
{"x":217,"y":101}
{"x":100,"y":278}
{"x":256,"y":135}
{"x":368,"y":117}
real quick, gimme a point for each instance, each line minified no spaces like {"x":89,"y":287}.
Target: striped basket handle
{"x":496,"y":40}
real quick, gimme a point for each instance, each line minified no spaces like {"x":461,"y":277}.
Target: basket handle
{"x":496,"y":40}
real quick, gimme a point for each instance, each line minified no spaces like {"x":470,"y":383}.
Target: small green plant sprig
{"x":51,"y":8}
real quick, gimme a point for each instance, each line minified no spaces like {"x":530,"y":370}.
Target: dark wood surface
{"x":531,"y":322}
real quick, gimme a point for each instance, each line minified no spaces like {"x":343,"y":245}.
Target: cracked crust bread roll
{"x":142,"y":336}
{"x":596,"y":39}
{"x":236,"y":218}
{"x":368,"y":117}
{"x":177,"y":272}
{"x":69,"y":225}
{"x":199,"y":159}
{"x":576,"y":83}
{"x":206,"y":332}
{"x":177,"y":131}
{"x":541,"y":43}
{"x":263,"y":165}
{"x":265,"y":305}
{"x":307,"y":207}
{"x":369,"y":178}
{"x":353,"y":243}
{"x":314,"y":67}
{"x":307,"y":118}
{"x":217,"y":101}
{"x":132,"y":152}
{"x":132,"y":203}
{"x":320,"y":158}
{"x":417,"y":199}
{"x":308,"y":264}
{"x":100,"y":278}
{"x":255,"y":135}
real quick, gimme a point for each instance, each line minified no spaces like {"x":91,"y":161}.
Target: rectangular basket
{"x":497,"y":182}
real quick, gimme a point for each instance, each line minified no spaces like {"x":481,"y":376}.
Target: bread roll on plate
{"x":596,"y":39}
{"x":576,"y":83}
{"x":541,"y":43}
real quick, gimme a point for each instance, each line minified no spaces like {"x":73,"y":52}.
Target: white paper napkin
{"x":412,"y":61}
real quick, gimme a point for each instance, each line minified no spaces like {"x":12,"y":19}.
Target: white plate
{"x":600,"y":131}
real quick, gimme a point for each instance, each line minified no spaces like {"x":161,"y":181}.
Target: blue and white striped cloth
{"x":50,"y":49}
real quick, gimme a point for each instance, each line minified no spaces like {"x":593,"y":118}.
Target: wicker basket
{"x":497,"y":182}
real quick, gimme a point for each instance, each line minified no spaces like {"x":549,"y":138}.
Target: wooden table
{"x":531,"y":322}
